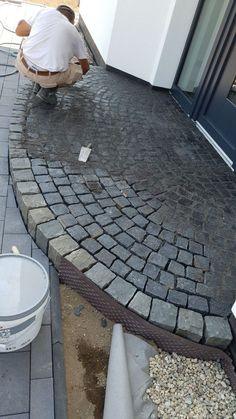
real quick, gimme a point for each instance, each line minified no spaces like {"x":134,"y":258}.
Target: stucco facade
{"x":144,"y":39}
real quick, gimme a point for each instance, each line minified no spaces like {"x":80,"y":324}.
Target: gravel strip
{"x":185,"y":388}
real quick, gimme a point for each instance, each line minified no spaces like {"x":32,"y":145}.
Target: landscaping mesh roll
{"x":165,"y":340}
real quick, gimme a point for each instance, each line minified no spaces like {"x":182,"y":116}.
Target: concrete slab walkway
{"x":31,"y":380}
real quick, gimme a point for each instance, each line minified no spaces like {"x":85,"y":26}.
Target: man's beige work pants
{"x":63,"y":79}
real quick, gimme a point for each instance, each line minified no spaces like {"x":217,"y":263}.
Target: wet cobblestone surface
{"x":155,"y":204}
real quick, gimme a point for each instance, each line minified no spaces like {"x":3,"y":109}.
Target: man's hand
{"x":84,"y":65}
{"x":23,"y":28}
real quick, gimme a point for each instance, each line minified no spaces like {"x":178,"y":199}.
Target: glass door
{"x":189,"y":79}
{"x":218,"y":111}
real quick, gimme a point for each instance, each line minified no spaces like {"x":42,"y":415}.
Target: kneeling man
{"x":45,"y":55}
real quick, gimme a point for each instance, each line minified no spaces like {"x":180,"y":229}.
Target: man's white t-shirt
{"x":52,"y":42}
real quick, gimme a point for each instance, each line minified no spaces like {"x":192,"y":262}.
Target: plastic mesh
{"x":165,"y":340}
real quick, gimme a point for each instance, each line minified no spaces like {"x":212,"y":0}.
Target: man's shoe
{"x":48,"y":95}
{"x":36,"y":88}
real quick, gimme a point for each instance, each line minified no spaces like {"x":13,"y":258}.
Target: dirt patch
{"x":95,"y":363}
{"x":87,"y":338}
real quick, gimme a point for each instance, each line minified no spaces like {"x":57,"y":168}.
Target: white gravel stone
{"x":185,"y":388}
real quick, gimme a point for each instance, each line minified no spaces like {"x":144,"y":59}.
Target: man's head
{"x":68,"y":12}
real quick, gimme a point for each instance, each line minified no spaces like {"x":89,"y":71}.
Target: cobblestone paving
{"x":150,"y":218}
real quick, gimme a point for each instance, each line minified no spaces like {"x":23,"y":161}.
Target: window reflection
{"x":209,"y":22}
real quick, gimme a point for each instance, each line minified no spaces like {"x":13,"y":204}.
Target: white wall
{"x":99,"y":16}
{"x":142,"y":38}
{"x":137,"y":35}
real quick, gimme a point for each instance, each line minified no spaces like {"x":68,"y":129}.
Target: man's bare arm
{"x":84,"y":65}
{"x":23,"y":28}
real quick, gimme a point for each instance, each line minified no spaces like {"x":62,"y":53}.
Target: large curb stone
{"x":38,"y":216}
{"x":27,"y":202}
{"x":100,"y":275}
{"x":217,"y":332}
{"x":26,"y":188}
{"x":22,"y":175}
{"x":190,"y":325}
{"x":59,"y":247}
{"x":48,"y":231}
{"x":163,"y":314}
{"x":20,"y":163}
{"x":121,"y":290}
{"x":81,"y":259}
{"x":141,"y":304}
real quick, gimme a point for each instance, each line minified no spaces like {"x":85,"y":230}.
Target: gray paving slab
{"x":13,"y":222}
{"x":1,"y":233}
{"x":42,"y":390}
{"x":41,"y":354}
{"x":60,"y":391}
{"x":23,"y":242}
{"x":11,"y":201}
{"x":4,"y":122}
{"x":47,"y":320}
{"x":41,"y":258}
{"x":5,"y":110}
{"x":21,"y":416}
{"x":3,"y":185}
{"x":4,"y":149}
{"x":14,"y":376}
{"x":3,"y":204}
{"x":4,"y":132}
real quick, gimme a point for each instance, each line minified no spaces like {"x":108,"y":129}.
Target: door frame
{"x":214,"y":65}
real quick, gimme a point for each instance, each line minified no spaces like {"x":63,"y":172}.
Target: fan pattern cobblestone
{"x":130,"y":236}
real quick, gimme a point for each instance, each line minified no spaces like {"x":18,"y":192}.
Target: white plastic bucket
{"x":24,"y":294}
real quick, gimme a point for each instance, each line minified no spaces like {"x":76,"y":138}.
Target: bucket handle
{"x":15,"y":251}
